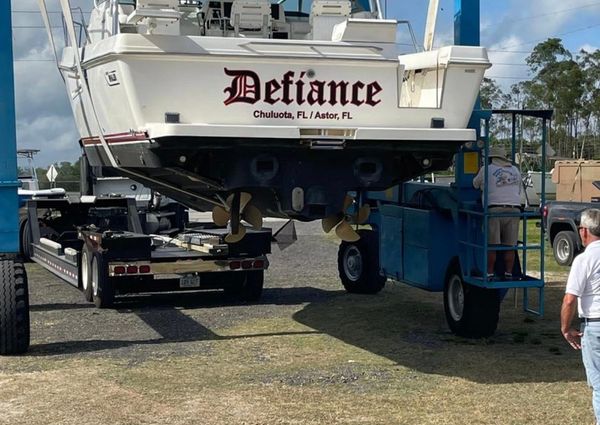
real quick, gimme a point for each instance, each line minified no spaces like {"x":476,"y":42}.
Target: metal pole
{"x":9,"y":205}
{"x":543,"y":198}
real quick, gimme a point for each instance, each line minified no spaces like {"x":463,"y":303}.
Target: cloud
{"x":588,"y":48}
{"x":43,"y":113}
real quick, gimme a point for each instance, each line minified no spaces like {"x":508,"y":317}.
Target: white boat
{"x":549,"y":185}
{"x":29,"y":184}
{"x":263,"y":108}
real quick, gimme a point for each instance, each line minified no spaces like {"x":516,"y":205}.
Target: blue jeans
{"x":590,"y":352}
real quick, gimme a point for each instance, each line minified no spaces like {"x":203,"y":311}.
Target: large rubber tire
{"x":471,"y":311}
{"x":249,"y":289}
{"x":358,"y":264}
{"x":25,"y":240}
{"x":86,"y":279}
{"x":565,"y":247}
{"x":102,"y":285}
{"x":14,"y":308}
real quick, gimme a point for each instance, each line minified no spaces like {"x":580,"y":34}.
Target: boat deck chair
{"x":251,"y":17}
{"x":326,"y":14}
{"x":162,"y":13}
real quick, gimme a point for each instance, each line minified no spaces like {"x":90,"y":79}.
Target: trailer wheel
{"x":102,"y":285}
{"x":471,"y":311}
{"x":358,"y":264}
{"x":86,"y":283}
{"x":14,"y":308}
{"x":250,"y":289}
{"x":565,"y":247}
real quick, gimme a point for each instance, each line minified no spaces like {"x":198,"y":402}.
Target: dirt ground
{"x":307,"y":353}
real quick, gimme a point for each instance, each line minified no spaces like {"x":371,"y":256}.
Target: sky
{"x":509,"y":29}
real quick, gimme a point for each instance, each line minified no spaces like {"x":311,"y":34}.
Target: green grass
{"x":533,"y":257}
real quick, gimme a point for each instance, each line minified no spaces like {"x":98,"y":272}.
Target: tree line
{"x":67,"y":178}
{"x":565,"y":82}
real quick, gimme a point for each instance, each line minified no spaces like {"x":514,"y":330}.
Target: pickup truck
{"x":561,"y":220}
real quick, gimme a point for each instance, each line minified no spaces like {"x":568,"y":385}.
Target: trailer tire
{"x":86,"y":282}
{"x":102,"y":285}
{"x":471,"y":311}
{"x":565,"y":247}
{"x":26,"y":240}
{"x":358,"y":264}
{"x":14,"y":308}
{"x":249,"y":290}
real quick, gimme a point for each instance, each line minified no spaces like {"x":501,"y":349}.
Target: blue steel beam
{"x":467,"y":31}
{"x":467,"y":22}
{"x":9,"y":209}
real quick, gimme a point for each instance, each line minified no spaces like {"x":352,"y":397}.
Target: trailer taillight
{"x":259,"y":264}
{"x":246,"y":264}
{"x":545,"y":211}
{"x":132,"y":269}
{"x":235,"y":265}
{"x":144,"y":269}
{"x":119,"y":270}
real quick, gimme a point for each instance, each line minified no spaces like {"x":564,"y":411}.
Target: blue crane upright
{"x":14,"y":298}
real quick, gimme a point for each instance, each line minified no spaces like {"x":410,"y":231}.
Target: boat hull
{"x":296,"y":124}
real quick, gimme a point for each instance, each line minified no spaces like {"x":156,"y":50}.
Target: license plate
{"x":189,"y":281}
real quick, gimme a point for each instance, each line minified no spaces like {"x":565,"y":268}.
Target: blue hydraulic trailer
{"x":434,"y":236}
{"x":14,"y":298}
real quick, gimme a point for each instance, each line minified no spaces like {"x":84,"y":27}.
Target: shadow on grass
{"x":407,"y":326}
{"x":163,"y":314}
{"x":403,"y":324}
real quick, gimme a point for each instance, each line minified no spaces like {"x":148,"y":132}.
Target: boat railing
{"x":411,"y":33}
{"x":83,"y":37}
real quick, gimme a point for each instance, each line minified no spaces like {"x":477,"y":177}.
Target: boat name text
{"x":246,"y":87}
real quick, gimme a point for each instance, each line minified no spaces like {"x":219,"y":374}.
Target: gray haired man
{"x":583,"y":294}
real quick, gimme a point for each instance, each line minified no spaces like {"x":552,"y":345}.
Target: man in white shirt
{"x":583,"y":291}
{"x":504,"y":196}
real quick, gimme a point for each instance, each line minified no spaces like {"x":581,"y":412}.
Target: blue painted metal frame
{"x":424,"y":228}
{"x":466,"y":22}
{"x":9,"y":212}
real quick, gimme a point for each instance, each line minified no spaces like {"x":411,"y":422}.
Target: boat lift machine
{"x":14,"y":304}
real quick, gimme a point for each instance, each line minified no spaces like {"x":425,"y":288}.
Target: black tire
{"x":25,"y":240}
{"x":14,"y":308}
{"x":249,"y":289}
{"x":471,"y":311}
{"x":565,"y":247}
{"x":86,"y":280}
{"x":102,"y":285}
{"x":358,"y":264}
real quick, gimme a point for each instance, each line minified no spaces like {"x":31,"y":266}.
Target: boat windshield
{"x":302,"y":7}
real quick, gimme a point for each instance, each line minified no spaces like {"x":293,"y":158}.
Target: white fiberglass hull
{"x":294,"y":122}
{"x":230,"y":87}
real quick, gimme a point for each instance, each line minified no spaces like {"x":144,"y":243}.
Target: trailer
{"x":120,"y":237}
{"x":99,"y":245}
{"x":434,"y":237}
